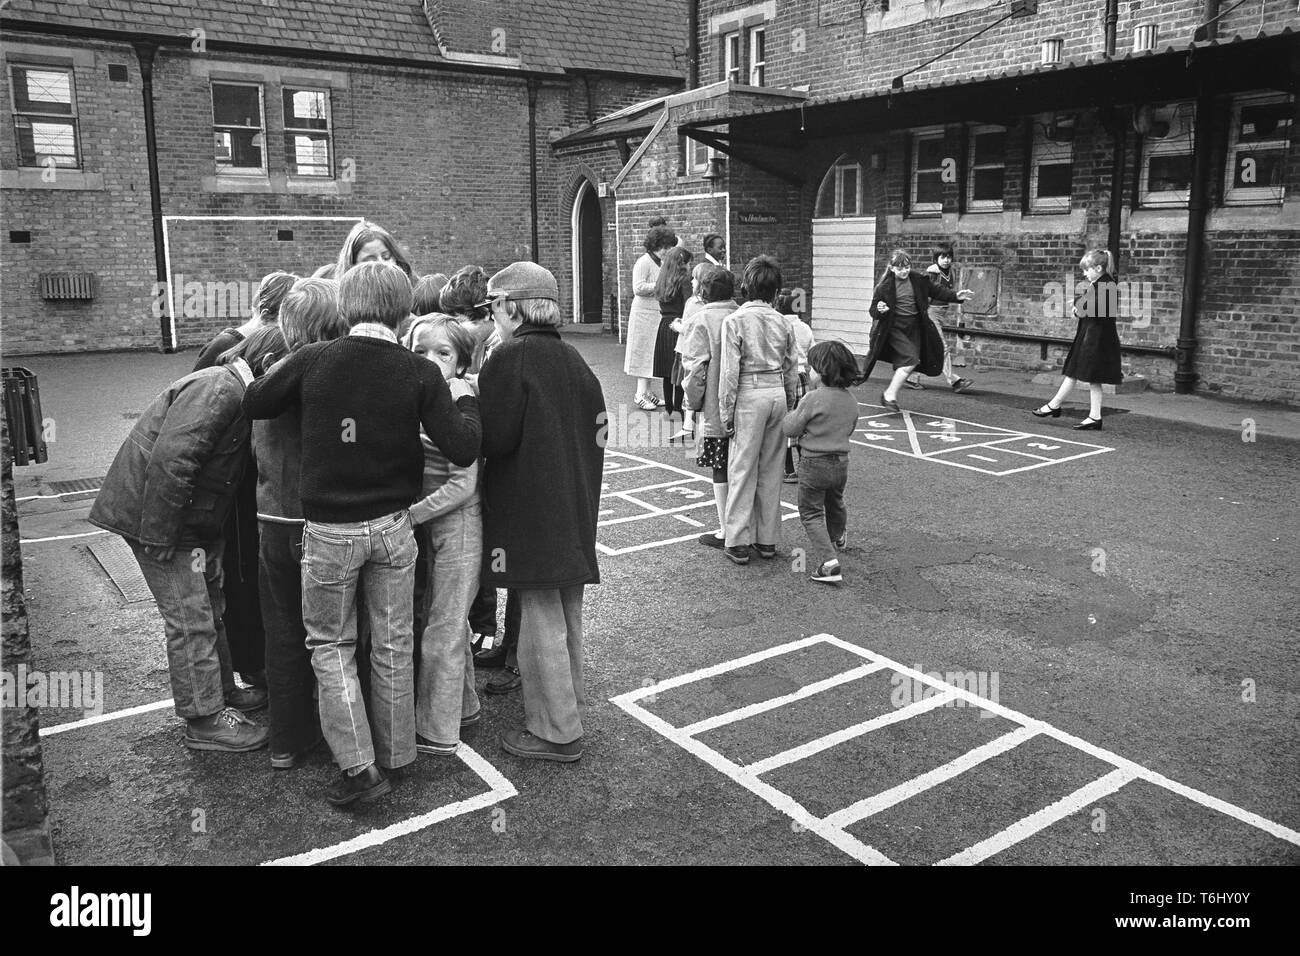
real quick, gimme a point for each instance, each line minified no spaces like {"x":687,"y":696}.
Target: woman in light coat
{"x":643,"y":318}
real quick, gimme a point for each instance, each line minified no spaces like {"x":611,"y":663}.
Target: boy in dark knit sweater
{"x":363,"y":399}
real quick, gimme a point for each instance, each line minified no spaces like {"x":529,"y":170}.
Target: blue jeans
{"x":377,"y":557}
{"x":446,"y":683}
{"x":187,"y":589}
{"x":821,"y":501}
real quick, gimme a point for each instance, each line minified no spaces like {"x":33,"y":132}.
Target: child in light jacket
{"x":451,"y":516}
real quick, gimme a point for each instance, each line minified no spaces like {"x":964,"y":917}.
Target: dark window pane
{"x":760,"y":46}
{"x":1265,"y":121}
{"x":42,"y":91}
{"x":1170,"y":173}
{"x":929,"y":154}
{"x":929,"y":187}
{"x":1054,"y":179}
{"x":306,"y":109}
{"x":987,"y":184}
{"x":239,"y":148}
{"x":235,"y":105}
{"x":307,"y":154}
{"x":826,"y":200}
{"x":990,"y":149}
{"x":1258,"y":168}
{"x":849,"y":204}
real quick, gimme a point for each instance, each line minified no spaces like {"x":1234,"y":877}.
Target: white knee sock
{"x":720,"y":499}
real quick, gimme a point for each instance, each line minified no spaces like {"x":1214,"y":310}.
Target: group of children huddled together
{"x":366,"y":410}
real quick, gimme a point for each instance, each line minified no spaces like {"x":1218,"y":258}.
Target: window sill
{"x":63,"y":179}
{"x":275,"y":183}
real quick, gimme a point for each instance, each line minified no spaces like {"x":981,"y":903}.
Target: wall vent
{"x":67,"y":285}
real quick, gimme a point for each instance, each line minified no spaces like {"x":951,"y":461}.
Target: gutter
{"x":145,"y":51}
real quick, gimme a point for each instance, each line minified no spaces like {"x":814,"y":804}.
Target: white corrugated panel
{"x":844,"y":257}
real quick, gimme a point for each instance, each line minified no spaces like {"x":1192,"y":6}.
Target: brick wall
{"x":439,"y":159}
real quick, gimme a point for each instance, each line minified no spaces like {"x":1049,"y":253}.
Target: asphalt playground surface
{"x":1050,"y":647}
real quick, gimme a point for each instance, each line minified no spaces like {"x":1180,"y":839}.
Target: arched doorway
{"x":588,"y":255}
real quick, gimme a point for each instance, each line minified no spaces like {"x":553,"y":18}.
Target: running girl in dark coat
{"x":1094,"y":357}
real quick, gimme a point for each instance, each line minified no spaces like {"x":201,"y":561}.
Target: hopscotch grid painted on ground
{"x":679,"y":512}
{"x":499,"y":789}
{"x":879,"y":429}
{"x":832,"y":827}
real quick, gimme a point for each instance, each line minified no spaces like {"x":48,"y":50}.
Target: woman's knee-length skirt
{"x":642,"y":333}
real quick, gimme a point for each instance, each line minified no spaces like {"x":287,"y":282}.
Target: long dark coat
{"x":543,"y":411}
{"x":1095,"y":357}
{"x":924,"y":288}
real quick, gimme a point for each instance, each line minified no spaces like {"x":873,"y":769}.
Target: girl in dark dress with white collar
{"x":1094,"y":357}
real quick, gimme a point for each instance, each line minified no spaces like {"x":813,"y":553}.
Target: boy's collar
{"x":374,"y":330}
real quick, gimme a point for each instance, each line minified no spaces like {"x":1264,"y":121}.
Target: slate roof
{"x":617,"y":36}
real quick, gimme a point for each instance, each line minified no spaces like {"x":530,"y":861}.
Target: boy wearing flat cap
{"x":542,"y":408}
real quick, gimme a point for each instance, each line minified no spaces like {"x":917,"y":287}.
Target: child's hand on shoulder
{"x":460,"y":388}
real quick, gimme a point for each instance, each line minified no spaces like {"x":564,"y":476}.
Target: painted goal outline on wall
{"x":167,"y":252}
{"x":833,"y":826}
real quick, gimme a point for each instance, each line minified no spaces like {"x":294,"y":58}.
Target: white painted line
{"x":750,"y":710}
{"x":1025,"y":454}
{"x":911,"y":434}
{"x":653,"y":509}
{"x":606,"y":511}
{"x":501,"y":789}
{"x":803,"y":751}
{"x":83,"y":491}
{"x":982,"y":458}
{"x":657,"y":464}
{"x":910,"y":788}
{"x":612,"y":552}
{"x":675,"y":483}
{"x":103,"y":718}
{"x":60,"y":537}
{"x":1040,"y":820}
{"x":705,"y":673}
{"x":690,"y":521}
{"x":1106,"y":756}
{"x":622,"y":471}
{"x":775,"y":798}
{"x":655,"y":512}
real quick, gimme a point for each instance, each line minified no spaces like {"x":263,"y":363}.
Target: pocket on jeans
{"x":327,"y":560}
{"x":400,"y":546}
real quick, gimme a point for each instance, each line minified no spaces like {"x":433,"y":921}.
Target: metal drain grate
{"x":115,"y":557}
{"x":76,"y":484}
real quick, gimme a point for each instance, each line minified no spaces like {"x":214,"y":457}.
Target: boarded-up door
{"x":844,"y":256}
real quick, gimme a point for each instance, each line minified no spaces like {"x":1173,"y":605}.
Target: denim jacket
{"x":174,"y":478}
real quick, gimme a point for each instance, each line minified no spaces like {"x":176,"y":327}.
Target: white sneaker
{"x":828,"y":573}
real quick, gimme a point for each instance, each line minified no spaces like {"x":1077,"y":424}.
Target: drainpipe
{"x":532,"y":157}
{"x":144,"y":52}
{"x":1118,"y":142}
{"x":693,"y":45}
{"x":1194,"y":258}
{"x":1211,"y":19}
{"x":1112,"y":22}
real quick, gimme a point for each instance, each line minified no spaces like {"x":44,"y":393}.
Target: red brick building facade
{"x":158,"y":158}
{"x":1025,"y":133}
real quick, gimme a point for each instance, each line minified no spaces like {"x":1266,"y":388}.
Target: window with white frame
{"x":307,"y":132}
{"x":986,"y":169}
{"x":1257,"y":147}
{"x":731,"y":57}
{"x":840,"y":194}
{"x":238,"y":127}
{"x":699,"y":154}
{"x":926,"y":187}
{"x":758,"y":56}
{"x":1165,"y":178}
{"x":1051,"y":164}
{"x":45,"y":116}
